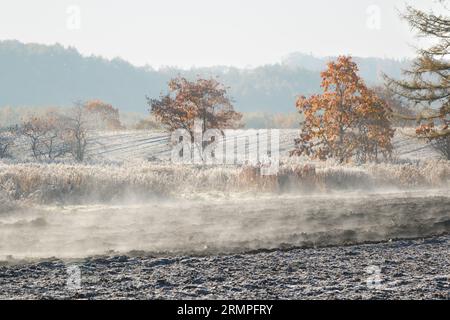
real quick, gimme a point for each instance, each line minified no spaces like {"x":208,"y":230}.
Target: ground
{"x":408,"y":269}
{"x":152,"y":230}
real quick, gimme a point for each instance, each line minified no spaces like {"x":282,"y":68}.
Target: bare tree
{"x":6,"y":141}
{"x":32,"y":131}
{"x":441,"y":145}
{"x":46,"y":135}
{"x":77,"y":131}
{"x":55,"y":135}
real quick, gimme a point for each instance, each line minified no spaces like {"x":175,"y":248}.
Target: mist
{"x":72,"y":212}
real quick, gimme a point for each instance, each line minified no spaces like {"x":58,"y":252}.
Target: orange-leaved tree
{"x":347,"y":121}
{"x":104,"y":114}
{"x":187,"y":101}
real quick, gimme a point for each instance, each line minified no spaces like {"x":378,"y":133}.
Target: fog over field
{"x":225,"y":150}
{"x":114,"y":205}
{"x":211,"y":226}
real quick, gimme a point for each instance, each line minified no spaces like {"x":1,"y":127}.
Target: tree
{"x":348,"y":120}
{"x":440,"y":143}
{"x":104,"y":114}
{"x":187,"y":101}
{"x":6,"y":141}
{"x":46,"y":135}
{"x":401,"y":112}
{"x":77,"y":131}
{"x":428,"y":80}
{"x":54,"y":135}
{"x":148,"y":123}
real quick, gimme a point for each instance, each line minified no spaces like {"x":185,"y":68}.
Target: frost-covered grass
{"x":52,"y":182}
{"x":118,"y":169}
{"x":128,"y":196}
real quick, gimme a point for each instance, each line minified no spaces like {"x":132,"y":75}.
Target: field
{"x":129,"y":207}
{"x":154,"y":145}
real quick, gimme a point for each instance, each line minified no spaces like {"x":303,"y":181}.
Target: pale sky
{"x":189,"y":33}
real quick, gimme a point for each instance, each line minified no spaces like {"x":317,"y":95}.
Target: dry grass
{"x":64,"y":182}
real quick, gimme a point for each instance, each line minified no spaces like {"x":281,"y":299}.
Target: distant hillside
{"x":370,"y":68}
{"x":39,"y":75}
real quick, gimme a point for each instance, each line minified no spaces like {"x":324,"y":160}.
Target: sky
{"x":188,"y":33}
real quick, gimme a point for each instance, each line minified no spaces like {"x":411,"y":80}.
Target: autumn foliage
{"x":427,"y":81}
{"x":106,"y":116}
{"x":347,"y":121}
{"x":188,"y":101}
